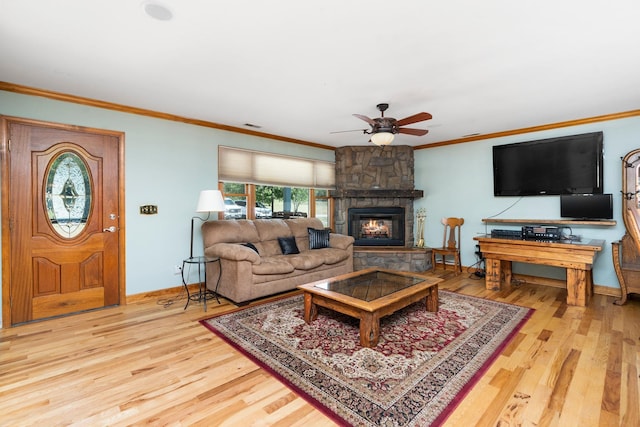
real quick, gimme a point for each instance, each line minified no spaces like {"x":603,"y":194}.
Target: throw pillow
{"x":318,"y":239}
{"x":288,"y":245}
{"x":251,"y":246}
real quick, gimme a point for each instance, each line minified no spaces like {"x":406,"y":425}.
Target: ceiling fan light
{"x":382,"y":138}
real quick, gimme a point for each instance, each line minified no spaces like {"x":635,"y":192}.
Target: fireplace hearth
{"x":374,"y":226}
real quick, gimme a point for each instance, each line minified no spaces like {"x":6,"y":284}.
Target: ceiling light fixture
{"x":382,"y":138}
{"x":157,"y":11}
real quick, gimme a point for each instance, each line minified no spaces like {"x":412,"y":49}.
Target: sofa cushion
{"x":340,"y":241}
{"x":272,"y":265}
{"x":331,"y":255}
{"x":271,"y":229}
{"x":288,"y":245}
{"x":229,"y":231}
{"x":299,"y":226}
{"x":305,"y":261}
{"x":318,"y":239}
{"x":232,"y":251}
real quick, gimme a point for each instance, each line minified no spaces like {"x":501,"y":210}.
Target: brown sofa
{"x":247,"y":274}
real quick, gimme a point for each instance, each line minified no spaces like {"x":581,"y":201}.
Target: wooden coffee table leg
{"x":369,"y":330}
{"x":432,"y":299}
{"x":310,"y":308}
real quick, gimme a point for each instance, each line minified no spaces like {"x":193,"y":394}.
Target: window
{"x":68,"y":194}
{"x":255,"y":167}
{"x":235,"y":201}
{"x":322,"y":207}
{"x":265,"y":185}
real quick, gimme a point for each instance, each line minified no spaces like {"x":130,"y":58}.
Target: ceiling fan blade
{"x":352,"y":130}
{"x":416,"y":132}
{"x":366,"y":119}
{"x":414,"y":119}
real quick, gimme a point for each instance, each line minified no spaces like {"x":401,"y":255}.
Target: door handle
{"x":111,"y":229}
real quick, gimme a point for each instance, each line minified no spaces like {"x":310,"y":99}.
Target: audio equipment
{"x":506,"y":234}
{"x":541,"y":232}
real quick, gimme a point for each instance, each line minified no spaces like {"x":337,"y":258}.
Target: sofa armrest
{"x":233,"y":252}
{"x":340,"y":241}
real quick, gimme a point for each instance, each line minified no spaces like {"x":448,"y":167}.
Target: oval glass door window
{"x":68,"y":194}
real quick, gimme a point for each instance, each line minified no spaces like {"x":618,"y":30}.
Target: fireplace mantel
{"x":376,"y":193}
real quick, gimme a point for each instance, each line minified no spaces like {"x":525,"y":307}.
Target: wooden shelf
{"x":604,"y":223}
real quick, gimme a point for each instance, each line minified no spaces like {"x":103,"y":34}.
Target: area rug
{"x":420,"y":370}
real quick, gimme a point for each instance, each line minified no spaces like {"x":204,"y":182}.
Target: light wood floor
{"x":150,"y":363}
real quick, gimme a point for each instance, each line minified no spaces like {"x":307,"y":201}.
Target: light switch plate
{"x":148,"y":210}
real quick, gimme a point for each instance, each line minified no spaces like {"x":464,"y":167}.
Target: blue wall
{"x":458,"y":181}
{"x":166,"y":164}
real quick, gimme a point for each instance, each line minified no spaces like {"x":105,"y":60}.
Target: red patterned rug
{"x":422,"y":367}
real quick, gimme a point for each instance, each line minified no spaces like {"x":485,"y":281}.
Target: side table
{"x":203,"y":293}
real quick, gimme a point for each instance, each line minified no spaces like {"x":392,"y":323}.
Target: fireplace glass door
{"x":377,"y":226}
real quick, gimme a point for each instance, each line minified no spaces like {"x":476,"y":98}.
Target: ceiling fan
{"x":384,"y":128}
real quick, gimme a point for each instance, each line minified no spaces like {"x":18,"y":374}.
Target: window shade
{"x":255,"y":167}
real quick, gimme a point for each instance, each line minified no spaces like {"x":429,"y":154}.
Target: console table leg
{"x":577,"y":287}
{"x":506,"y":273}
{"x":493,"y":276}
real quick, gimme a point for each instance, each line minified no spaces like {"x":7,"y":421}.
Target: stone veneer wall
{"x":403,"y":260}
{"x":371,"y":167}
{"x":373,"y":176}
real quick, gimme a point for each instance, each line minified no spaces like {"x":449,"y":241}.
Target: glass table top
{"x":371,"y":286}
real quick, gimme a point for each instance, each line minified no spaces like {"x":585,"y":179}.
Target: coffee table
{"x":369,"y":295}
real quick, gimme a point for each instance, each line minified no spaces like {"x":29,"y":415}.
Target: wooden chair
{"x":450,"y":244}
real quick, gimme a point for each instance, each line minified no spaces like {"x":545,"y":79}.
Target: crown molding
{"x":568,"y":123}
{"x":26,"y":90}
{"x":58,"y":96}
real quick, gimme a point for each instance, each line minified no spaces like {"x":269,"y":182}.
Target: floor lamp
{"x":209,"y":201}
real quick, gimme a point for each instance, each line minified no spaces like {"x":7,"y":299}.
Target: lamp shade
{"x":210,"y":201}
{"x":382,"y":138}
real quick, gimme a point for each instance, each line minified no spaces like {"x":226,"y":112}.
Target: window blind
{"x":255,"y":167}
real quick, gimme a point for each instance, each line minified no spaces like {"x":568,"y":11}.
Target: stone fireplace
{"x":378,"y":181}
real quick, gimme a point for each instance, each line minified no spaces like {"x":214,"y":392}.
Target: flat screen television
{"x":564,"y":165}
{"x":586,"y":206}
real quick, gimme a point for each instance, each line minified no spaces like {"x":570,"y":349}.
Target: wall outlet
{"x":177,"y":269}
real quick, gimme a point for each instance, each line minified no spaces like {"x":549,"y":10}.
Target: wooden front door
{"x":62,"y":222}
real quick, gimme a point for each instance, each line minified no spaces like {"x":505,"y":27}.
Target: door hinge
{"x":9,"y":144}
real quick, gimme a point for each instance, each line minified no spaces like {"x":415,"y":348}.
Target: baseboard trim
{"x":194,"y":287}
{"x":556,"y":283}
{"x":534,"y":280}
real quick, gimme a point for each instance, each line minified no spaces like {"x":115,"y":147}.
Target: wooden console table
{"x":576,"y":257}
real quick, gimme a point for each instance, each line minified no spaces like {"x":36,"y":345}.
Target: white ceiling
{"x":300,"y":69}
